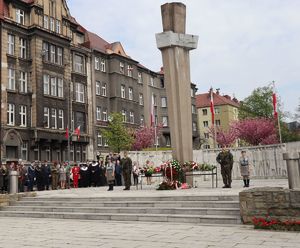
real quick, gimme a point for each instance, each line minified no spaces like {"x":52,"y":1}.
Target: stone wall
{"x":266,"y":161}
{"x":5,"y":199}
{"x":279,"y":203}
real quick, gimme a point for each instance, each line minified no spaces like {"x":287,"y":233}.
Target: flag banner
{"x":152,"y":112}
{"x":67,"y":133}
{"x":77,"y":132}
{"x":212,"y":107}
{"x":275,"y":105}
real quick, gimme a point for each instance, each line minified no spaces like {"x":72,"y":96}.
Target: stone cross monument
{"x":175,"y":46}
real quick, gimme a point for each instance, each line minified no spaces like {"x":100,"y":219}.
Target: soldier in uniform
{"x":126,"y":164}
{"x":54,"y":175}
{"x":225,"y":159}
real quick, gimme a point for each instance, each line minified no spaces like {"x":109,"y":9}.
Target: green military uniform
{"x":54,"y":176}
{"x":225,"y":159}
{"x":126,"y":164}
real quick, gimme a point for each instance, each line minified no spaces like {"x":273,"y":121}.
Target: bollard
{"x":13,"y":182}
{"x":293,"y":170}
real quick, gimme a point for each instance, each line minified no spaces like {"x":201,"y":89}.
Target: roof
{"x":94,"y":41}
{"x":203,"y":100}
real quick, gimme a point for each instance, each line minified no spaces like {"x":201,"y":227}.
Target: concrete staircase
{"x":183,"y":209}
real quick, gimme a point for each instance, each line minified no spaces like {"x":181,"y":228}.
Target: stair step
{"x":136,"y":210}
{"x":209,"y":219}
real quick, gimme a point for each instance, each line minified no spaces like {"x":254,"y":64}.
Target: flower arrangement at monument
{"x":148,"y":171}
{"x":193,"y":166}
{"x":275,"y":224}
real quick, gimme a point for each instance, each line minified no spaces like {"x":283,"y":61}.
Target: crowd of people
{"x":109,"y":171}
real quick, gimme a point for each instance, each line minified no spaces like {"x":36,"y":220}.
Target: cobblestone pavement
{"x":49,"y":233}
{"x":52,"y":233}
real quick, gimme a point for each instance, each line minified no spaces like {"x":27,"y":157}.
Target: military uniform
{"x":126,"y":164}
{"x":225,"y":159}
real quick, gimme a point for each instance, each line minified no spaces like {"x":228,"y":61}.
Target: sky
{"x":243,"y":44}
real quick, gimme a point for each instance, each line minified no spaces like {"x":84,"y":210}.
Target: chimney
{"x":218,"y":91}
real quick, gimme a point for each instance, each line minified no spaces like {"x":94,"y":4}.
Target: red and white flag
{"x":77,"y":132}
{"x":152,"y":111}
{"x":274,"y":102}
{"x":67,"y":133}
{"x":212,"y":106}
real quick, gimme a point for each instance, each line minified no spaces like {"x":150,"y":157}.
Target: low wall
{"x":279,"y":203}
{"x":266,"y":161}
{"x":5,"y":199}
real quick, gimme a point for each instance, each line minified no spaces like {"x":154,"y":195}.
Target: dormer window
{"x":20,"y":16}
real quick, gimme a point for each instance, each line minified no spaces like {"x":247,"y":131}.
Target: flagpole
{"x":277,"y":113}
{"x":279,"y":128}
{"x":155,"y":136}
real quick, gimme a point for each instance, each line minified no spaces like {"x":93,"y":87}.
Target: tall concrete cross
{"x":175,"y":46}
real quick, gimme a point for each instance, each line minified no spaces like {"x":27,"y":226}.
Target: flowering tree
{"x":224,"y":138}
{"x":144,"y":137}
{"x":256,"y":131}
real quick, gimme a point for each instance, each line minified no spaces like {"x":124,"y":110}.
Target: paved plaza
{"x":40,"y":233}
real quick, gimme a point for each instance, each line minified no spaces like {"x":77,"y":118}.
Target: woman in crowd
{"x":245,"y":168}
{"x":62,"y":176}
{"x":135,"y":172}
{"x":110,"y":174}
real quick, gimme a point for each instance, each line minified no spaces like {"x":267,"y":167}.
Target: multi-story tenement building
{"x":57,"y":75}
{"x":225,"y":109}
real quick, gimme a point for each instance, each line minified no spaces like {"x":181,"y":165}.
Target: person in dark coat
{"x":40,"y":177}
{"x":84,"y":176}
{"x":118,"y":173}
{"x":102,"y":171}
{"x":126,"y":164}
{"x":22,"y":174}
{"x":225,"y":159}
{"x":3,"y":179}
{"x":31,"y":176}
{"x":54,"y":175}
{"x":47,"y":175}
{"x":94,"y":174}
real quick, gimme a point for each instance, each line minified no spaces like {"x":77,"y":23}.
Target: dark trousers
{"x":135,"y":179}
{"x":118,"y":179}
{"x":127,"y":179}
{"x":226,"y":174}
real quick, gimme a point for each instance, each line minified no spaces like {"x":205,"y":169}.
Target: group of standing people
{"x":225,"y":159}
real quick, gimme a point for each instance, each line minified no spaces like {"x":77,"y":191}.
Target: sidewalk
{"x":50,"y":233}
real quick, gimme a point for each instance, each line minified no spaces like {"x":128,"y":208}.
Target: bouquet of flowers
{"x":274,"y":224}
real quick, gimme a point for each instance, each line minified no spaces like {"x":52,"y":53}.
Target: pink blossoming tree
{"x":144,"y":137}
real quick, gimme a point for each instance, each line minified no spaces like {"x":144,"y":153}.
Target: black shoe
{"x":126,"y":189}
{"x":225,"y":186}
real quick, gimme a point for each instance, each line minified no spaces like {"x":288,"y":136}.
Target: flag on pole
{"x":152,"y":112}
{"x":274,"y":102}
{"x":67,"y":133}
{"x":212,"y":106}
{"x":77,"y":132}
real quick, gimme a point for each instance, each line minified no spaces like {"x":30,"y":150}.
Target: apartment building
{"x":56,"y":75}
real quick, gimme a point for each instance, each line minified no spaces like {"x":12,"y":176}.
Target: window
{"x":45,"y":52}
{"x":53,"y":119}
{"x":206,"y":146}
{"x":131,"y":117}
{"x":204,"y":111}
{"x":142,"y":120}
{"x":23,"y":116}
{"x":103,"y":89}
{"x":168,"y":141}
{"x":105,"y":143}
{"x":151,"y":81}
{"x":130,"y":93}
{"x":78,"y":63}
{"x":124,"y":114}
{"x":129,"y":70}
{"x":97,"y":64}
{"x":98,"y":88}
{"x":140,"y":79}
{"x":205,"y":123}
{"x":206,"y":135}
{"x":154,"y":100}
{"x":104,"y":115}
{"x":52,"y":25}
{"x":46,"y":85}
{"x":217,"y":111}
{"x":46,"y":117}
{"x":59,"y":56}
{"x":60,"y":87}
{"x":165,"y":121}
{"x":46,"y":22}
{"x":163,"y":102}
{"x":141,"y":99}
{"x":52,"y":54}
{"x":24,"y":151}
{"x":192,"y":93}
{"x":103,"y":69}
{"x":11,"y":79}
{"x":79,"y":92}
{"x":123,"y":91}
{"x":193,"y":109}
{"x":80,"y":120}
{"x":53,"y":87}
{"x":122,"y":67}
{"x":60,"y":119}
{"x":194,"y":126}
{"x":10,"y":114}
{"x":98,"y":113}
{"x":218,"y":122}
{"x":99,"y":139}
{"x":20,"y":16}
{"x":23,"y":82}
{"x":23,"y":44}
{"x":58,"y":26}
{"x":11,"y":44}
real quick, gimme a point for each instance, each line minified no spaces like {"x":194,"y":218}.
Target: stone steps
{"x":183,"y":208}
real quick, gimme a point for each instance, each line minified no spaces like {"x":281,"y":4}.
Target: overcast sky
{"x":243,"y":44}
